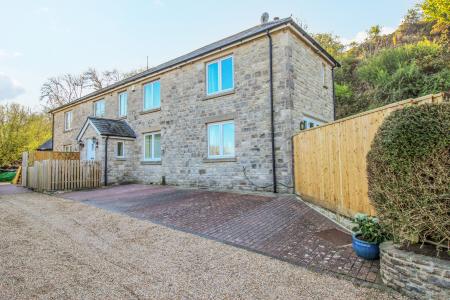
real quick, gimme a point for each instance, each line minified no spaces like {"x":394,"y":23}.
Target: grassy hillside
{"x":412,"y":61}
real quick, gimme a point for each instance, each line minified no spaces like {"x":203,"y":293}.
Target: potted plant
{"x":367,"y":236}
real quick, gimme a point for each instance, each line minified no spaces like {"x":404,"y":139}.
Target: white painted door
{"x":90,"y":150}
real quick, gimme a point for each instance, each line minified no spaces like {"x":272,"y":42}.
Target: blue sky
{"x":40,"y":39}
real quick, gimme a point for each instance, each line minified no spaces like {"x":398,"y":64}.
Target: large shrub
{"x":409,"y":173}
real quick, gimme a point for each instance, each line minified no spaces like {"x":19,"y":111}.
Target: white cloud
{"x":362,"y":35}
{"x":9,"y":87}
{"x":42,"y":10}
{"x":4,"y":54}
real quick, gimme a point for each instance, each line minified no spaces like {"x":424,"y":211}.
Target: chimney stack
{"x":264,"y":18}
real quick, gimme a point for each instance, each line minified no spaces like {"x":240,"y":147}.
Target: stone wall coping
{"x":393,"y":250}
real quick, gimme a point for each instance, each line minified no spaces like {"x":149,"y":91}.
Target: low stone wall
{"x":415,"y":275}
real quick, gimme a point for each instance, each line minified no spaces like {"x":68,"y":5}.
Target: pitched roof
{"x":207,"y":49}
{"x":108,"y":127}
{"x":46,"y":146}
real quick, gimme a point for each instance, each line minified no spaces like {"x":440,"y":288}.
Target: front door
{"x":90,"y":150}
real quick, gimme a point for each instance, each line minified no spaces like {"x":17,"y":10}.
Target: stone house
{"x":219,"y":117}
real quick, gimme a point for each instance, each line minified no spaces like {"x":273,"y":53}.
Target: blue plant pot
{"x":365,"y":249}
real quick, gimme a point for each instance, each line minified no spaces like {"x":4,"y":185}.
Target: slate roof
{"x":110,"y":127}
{"x":206,"y":49}
{"x":47,"y":146}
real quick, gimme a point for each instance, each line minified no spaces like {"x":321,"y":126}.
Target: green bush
{"x":409,"y":173}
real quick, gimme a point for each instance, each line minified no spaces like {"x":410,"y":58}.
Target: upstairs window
{"x":99,"y":108}
{"x":324,"y":75}
{"x":152,"y":146}
{"x":123,"y":104}
{"x":220,"y":75}
{"x":152,"y":95}
{"x":68,"y":120}
{"x":221,"y":140}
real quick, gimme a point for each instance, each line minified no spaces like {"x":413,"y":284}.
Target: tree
{"x":330,"y":43}
{"x":97,"y":81}
{"x":60,"y":90}
{"x":21,"y":130}
{"x":374,"y":32}
{"x":437,"y":11}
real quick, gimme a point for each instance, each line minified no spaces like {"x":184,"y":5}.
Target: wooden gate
{"x":330,"y":160}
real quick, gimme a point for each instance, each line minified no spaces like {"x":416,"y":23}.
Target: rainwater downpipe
{"x":272,"y":125}
{"x":334,"y":94}
{"x":106,"y":161}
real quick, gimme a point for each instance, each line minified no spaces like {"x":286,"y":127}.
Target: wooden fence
{"x":330,"y":160}
{"x":55,"y":175}
{"x":45,"y":155}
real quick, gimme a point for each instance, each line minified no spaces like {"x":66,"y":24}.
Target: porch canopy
{"x":107,"y":127}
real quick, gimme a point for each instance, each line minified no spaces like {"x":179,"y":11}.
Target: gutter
{"x":106,"y":162}
{"x":272,"y":125}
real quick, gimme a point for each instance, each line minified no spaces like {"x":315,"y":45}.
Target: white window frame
{"x":67,"y":148}
{"x":308,"y":120}
{"x":123,"y":114}
{"x":219,"y":68}
{"x":68,"y":120}
{"x":152,"y":145}
{"x":143,"y":95}
{"x":104,"y":108}
{"x":123,"y":149}
{"x":221,"y":155}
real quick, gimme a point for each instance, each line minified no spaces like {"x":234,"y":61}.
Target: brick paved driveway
{"x":281,"y":227}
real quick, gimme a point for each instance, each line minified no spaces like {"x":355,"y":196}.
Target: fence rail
{"x":330,"y":160}
{"x":52,"y":175}
{"x":46,"y":155}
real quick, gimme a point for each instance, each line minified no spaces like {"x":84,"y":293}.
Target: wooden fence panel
{"x":330,"y":160}
{"x":55,"y":155}
{"x":51,"y":175}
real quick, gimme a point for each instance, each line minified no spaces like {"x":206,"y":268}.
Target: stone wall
{"x":415,"y":275}
{"x":186,"y":110}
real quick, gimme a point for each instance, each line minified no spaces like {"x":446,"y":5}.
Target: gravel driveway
{"x":55,"y":248}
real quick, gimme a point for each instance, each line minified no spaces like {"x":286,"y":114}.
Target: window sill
{"x":151,"y":162}
{"x":219,"y":160}
{"x":221,"y":94}
{"x":121,"y":158}
{"x":150,"y":111}
{"x":68,"y":130}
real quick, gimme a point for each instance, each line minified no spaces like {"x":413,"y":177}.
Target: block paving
{"x":278,"y":226}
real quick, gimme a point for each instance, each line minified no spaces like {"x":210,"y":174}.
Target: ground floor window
{"x":221,"y":140}
{"x":120,"y":150}
{"x":152,"y":146}
{"x":67,"y":148}
{"x":309,"y":122}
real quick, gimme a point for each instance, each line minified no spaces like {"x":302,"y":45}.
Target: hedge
{"x":409,"y":174}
